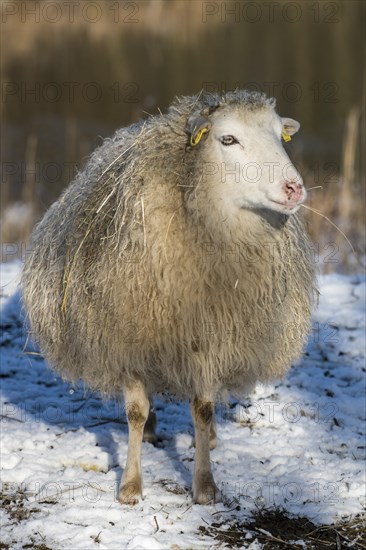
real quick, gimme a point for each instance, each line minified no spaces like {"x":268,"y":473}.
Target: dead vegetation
{"x":50,"y":130}
{"x":15,"y":506}
{"x":275,"y":530}
{"x":14,"y":503}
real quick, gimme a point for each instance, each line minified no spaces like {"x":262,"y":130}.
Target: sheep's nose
{"x":293,"y":190}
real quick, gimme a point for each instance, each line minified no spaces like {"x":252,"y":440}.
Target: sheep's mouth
{"x":290,"y":205}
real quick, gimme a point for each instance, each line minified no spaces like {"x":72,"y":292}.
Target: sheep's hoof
{"x":130,"y":493}
{"x":205,"y":491}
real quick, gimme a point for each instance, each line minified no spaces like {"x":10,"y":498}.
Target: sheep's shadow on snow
{"x":33,"y":392}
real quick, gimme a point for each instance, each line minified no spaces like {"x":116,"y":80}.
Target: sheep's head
{"x":242,"y":157}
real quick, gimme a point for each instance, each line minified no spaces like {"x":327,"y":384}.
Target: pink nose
{"x":293,"y":190}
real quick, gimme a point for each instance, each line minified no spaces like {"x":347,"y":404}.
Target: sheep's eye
{"x":228,"y":140}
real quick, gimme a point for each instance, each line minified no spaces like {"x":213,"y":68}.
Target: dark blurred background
{"x":75,"y":71}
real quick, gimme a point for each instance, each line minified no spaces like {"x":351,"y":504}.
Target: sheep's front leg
{"x":137,"y":410}
{"x":204,"y":487}
{"x":213,"y":435}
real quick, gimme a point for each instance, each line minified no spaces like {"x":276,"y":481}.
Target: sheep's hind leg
{"x":205,"y":490}
{"x":137,"y":409}
{"x":213,"y":436}
{"x":150,"y":426}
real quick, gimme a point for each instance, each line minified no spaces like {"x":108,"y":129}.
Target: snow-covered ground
{"x":298,"y":444}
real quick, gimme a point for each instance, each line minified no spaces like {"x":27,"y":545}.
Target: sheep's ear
{"x":289,"y":128}
{"x":197,"y":126}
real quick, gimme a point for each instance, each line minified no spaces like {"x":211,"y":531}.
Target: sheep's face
{"x":246,"y":164}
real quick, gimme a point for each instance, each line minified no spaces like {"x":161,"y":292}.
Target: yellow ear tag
{"x":286,"y":137}
{"x":195,"y":141}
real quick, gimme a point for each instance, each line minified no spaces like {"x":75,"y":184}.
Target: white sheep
{"x":176,"y":262}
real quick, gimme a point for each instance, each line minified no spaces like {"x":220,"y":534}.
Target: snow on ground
{"x":298,"y":444}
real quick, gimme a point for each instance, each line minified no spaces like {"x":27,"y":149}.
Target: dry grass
{"x":276,"y":531}
{"x":18,"y":217}
{"x":176,"y":18}
{"x":155,"y":58}
{"x":340,"y":196}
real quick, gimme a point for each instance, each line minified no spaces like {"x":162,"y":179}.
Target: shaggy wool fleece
{"x":135,"y":276}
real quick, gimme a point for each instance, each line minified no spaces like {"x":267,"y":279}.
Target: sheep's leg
{"x":137,"y":409}
{"x":204,"y":487}
{"x":213,"y":436}
{"x":150,"y":426}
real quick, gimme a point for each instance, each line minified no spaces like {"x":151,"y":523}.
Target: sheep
{"x":176,"y":262}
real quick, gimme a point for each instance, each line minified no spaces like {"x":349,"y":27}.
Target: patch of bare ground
{"x":275,"y":530}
